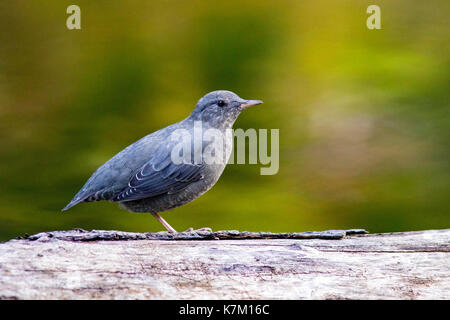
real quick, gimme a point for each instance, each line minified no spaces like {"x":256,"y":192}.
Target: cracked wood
{"x":335,"y":264}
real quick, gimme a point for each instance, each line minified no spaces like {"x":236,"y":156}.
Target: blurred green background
{"x":363,"y":114}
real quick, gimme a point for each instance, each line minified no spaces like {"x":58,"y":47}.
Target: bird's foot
{"x":199,"y":230}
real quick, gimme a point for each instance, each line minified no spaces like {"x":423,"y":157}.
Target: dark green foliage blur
{"x":363,"y":114}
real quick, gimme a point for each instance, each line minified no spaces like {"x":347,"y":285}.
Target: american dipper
{"x":148,"y":176}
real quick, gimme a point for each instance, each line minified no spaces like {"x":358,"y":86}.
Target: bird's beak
{"x":250,"y":103}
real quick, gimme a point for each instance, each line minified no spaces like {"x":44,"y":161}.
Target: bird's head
{"x":221,"y":108}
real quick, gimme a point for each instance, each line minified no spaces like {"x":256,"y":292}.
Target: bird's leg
{"x":164,"y":223}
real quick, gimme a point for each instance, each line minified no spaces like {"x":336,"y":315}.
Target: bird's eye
{"x":220,"y":103}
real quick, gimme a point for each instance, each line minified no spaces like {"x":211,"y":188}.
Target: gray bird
{"x":144,"y":177}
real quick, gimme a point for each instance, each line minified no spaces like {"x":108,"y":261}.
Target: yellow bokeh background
{"x":363,"y":114}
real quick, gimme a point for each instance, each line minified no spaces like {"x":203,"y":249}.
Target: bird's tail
{"x":74,"y":202}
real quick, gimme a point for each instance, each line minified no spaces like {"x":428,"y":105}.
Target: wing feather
{"x":160,"y":176}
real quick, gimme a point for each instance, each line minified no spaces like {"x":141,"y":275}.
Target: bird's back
{"x":114,"y":175}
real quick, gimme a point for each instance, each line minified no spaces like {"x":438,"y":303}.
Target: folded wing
{"x":160,"y":176}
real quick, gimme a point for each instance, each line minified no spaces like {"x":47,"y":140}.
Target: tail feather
{"x":72,"y":203}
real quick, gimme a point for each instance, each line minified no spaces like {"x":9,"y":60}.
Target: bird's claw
{"x":199,"y":230}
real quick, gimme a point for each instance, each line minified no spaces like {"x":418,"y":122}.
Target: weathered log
{"x":336,"y":264}
{"x":83,"y":235}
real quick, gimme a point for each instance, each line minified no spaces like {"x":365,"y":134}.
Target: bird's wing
{"x":159,"y":176}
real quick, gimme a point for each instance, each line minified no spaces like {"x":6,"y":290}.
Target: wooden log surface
{"x":336,"y":264}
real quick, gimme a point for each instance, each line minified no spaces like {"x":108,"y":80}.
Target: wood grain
{"x":79,"y":264}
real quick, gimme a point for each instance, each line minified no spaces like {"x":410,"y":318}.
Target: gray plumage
{"x":143,"y":177}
